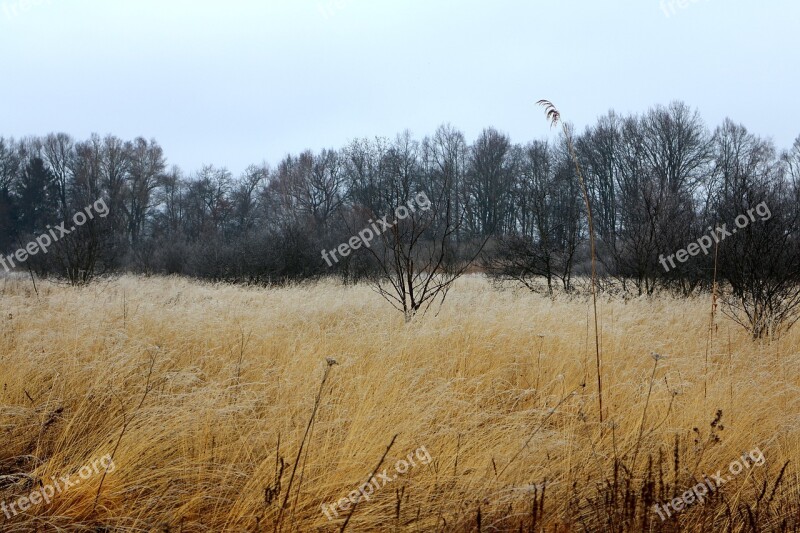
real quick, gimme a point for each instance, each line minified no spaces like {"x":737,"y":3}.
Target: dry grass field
{"x":203,"y":394}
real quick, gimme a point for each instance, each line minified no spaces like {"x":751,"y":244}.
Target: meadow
{"x":231,"y":408}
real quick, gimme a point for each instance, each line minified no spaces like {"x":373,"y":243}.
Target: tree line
{"x":657,"y":182}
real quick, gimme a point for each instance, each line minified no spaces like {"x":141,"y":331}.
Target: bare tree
{"x":445,"y":160}
{"x":147,"y":166}
{"x":88,"y":250}
{"x":245,"y":196}
{"x":415,"y":256}
{"x":792,"y":160}
{"x":759,"y":261}
{"x":116,"y":164}
{"x":547,"y":235}
{"x":59,"y":152}
{"x":599,"y":150}
{"x":490,"y":176}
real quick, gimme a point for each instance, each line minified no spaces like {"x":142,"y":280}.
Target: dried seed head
{"x":551,"y":112}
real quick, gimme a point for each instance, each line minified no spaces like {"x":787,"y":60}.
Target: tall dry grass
{"x":498,"y":387}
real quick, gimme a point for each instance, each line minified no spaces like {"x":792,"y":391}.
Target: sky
{"x":243,"y":82}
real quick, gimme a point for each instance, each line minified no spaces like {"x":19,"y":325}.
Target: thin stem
{"x":710,"y":339}
{"x":598,"y":359}
{"x":302,"y":444}
{"x":644,"y":413}
{"x":371,"y":477}
{"x":125,"y":424}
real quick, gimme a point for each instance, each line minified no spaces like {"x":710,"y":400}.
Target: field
{"x":219,"y":411}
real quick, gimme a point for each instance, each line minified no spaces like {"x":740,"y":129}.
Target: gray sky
{"x":239,"y":82}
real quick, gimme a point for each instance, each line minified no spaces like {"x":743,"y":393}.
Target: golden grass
{"x":237,"y":369}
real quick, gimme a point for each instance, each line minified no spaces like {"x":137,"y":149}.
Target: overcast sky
{"x":238,"y":82}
